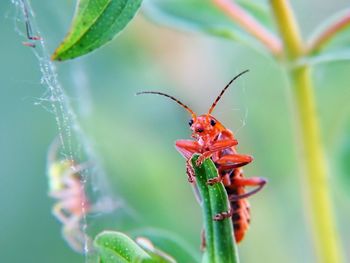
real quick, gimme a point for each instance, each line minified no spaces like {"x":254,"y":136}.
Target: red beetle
{"x":213,"y":140}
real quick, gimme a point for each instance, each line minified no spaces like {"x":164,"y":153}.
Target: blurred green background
{"x":134,"y":136}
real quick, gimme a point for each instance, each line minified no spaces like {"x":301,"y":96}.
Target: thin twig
{"x":326,"y":35}
{"x":251,"y":25}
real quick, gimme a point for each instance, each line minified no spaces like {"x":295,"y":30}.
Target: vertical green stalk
{"x":316,"y":187}
{"x":220,"y":243}
{"x":316,"y":190}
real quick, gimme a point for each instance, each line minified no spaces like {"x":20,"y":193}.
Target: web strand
{"x":74,"y":146}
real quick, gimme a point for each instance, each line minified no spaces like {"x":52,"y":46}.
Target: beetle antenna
{"x":170,"y":97}
{"x":224,"y":89}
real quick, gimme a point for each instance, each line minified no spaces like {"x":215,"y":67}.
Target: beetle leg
{"x":231,"y":161}
{"x":187,"y":148}
{"x":214,"y":180}
{"x":223,"y":215}
{"x":215,"y":147}
{"x":189,"y":171}
{"x":253,"y":181}
{"x":228,"y":162}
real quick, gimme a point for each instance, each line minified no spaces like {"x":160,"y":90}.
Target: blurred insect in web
{"x":66,"y":186}
{"x":213,"y":140}
{"x":29,"y":31}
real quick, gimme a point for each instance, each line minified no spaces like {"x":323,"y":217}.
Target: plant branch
{"x":327,"y":34}
{"x":288,"y":28}
{"x":251,"y":25}
{"x":316,"y":190}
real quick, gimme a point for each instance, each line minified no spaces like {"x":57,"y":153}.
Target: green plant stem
{"x":316,"y":190}
{"x":220,"y":245}
{"x":288,"y":28}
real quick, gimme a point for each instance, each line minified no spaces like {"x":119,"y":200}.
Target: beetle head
{"x":205,"y":127}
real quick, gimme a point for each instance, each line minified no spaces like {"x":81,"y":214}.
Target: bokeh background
{"x":134,"y":135}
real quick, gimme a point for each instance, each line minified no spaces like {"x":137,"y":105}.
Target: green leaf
{"x":114,"y":247}
{"x":220,"y":244}
{"x":204,"y":16}
{"x":94,"y":24}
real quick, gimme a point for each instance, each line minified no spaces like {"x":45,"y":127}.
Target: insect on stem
{"x":212,"y":141}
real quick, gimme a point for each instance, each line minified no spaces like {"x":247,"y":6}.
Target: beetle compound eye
{"x":212,"y":122}
{"x":190,"y":122}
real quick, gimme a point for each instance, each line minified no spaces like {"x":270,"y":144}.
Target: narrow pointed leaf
{"x":220,"y":244}
{"x":94,"y":24}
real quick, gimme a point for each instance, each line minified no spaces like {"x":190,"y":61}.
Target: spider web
{"x":73,"y":143}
